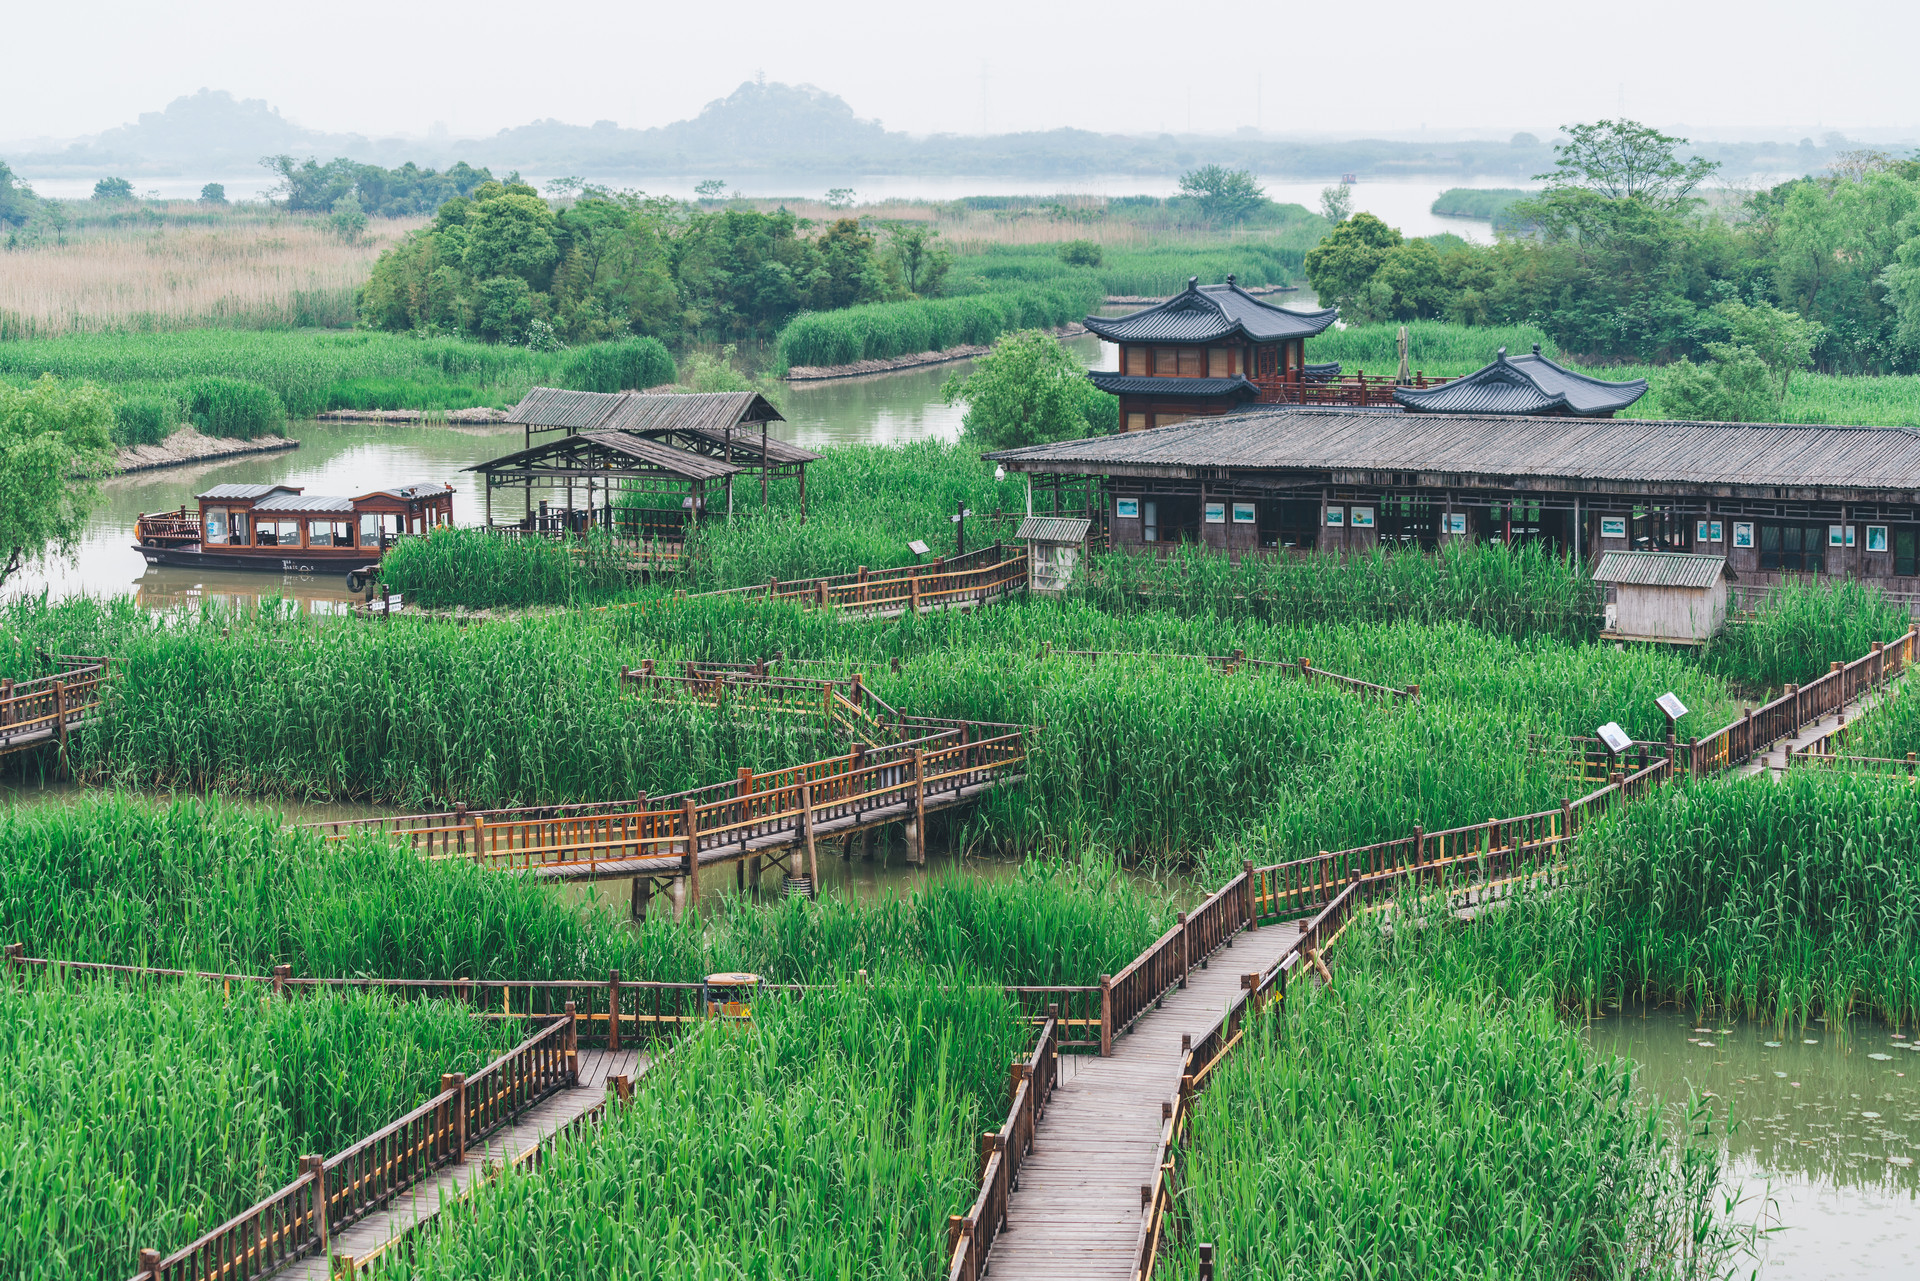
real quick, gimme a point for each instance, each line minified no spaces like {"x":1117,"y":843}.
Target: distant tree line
{"x":503,"y":264}
{"x":408,"y":191}
{"x":1621,"y":259}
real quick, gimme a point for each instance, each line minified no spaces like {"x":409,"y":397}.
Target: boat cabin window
{"x":277,"y":533}
{"x":216,"y":525}
{"x":237,"y":527}
{"x":329,"y":533}
{"x":369,"y":529}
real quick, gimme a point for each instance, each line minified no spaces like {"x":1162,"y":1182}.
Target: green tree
{"x":914,"y":251}
{"x":1734,"y":387}
{"x":56,"y":438}
{"x":1080,"y":253}
{"x":1224,"y":195}
{"x":112,"y":190}
{"x":348,"y":219}
{"x":847,"y":272}
{"x":1341,"y":267}
{"x":1781,"y":340}
{"x":17,"y":201}
{"x":1901,"y":280}
{"x":213,"y":193}
{"x":1625,"y":160}
{"x":510,"y":232}
{"x":1336,"y":203}
{"x":1029,"y":390}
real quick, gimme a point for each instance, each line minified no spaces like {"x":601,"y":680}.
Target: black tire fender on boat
{"x":356,"y":579}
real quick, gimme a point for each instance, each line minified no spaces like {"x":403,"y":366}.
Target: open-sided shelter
{"x":612,"y":480}
{"x":731,"y":426}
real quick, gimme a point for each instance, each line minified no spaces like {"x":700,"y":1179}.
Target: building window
{"x":1906,"y":543}
{"x":1412,"y":522}
{"x":1134,"y":361}
{"x":1220,"y":362}
{"x":1190,"y":362}
{"x":1291,"y":523}
{"x":1150,"y":521}
{"x":1166,"y":362}
{"x":1793,"y":549}
{"x":1269,"y":361}
{"x":216,"y":525}
{"x":1168,"y":420}
{"x":1136,"y":422}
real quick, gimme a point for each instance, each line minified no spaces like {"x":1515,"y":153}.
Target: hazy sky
{"x":393,"y":66}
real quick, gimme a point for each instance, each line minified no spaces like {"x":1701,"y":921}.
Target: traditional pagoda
{"x":1523,"y":385}
{"x":1206,"y":350}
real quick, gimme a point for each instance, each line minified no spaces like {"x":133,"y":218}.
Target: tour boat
{"x":284,"y":530}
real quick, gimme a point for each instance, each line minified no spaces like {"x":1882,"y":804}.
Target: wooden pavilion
{"x":612,"y":480}
{"x":729,"y":426}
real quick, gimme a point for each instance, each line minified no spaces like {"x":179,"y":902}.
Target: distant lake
{"x":1401,"y":201}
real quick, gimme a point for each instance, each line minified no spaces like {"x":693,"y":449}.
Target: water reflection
{"x":1828,"y":1123}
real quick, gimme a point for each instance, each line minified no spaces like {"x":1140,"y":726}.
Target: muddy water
{"x":1826,"y":1142}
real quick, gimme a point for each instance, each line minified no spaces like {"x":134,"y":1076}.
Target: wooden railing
{"x":330,"y":1194}
{"x":46,"y":708}
{"x":721,"y":821}
{"x":1238,"y":661}
{"x":1167,"y":961}
{"x":1801,"y":705}
{"x":970,"y":1235}
{"x":1359,"y":389}
{"x":975,"y":578}
{"x":180,"y":526}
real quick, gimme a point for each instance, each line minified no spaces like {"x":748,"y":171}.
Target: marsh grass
{"x":144,"y":1116}
{"x":1802,"y":630}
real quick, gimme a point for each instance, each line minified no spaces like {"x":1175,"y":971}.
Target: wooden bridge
{"x":920,"y":766}
{"x":954,"y":582}
{"x":46,"y":709}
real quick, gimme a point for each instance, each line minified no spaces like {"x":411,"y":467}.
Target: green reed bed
{"x":881,"y":330}
{"x":213,"y":886}
{"x":1524,"y":591}
{"x":143,"y":1116}
{"x":1418,"y":1119}
{"x":480,"y":569}
{"x":1802,"y":630}
{"x":1890,"y":729}
{"x":830,"y":1138}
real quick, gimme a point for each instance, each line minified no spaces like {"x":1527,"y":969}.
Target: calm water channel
{"x":1827,"y":1131}
{"x":353,"y":458}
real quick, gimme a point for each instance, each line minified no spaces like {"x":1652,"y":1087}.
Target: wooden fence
{"x":1238,"y":661}
{"x":1801,"y":705}
{"x":973,"y":579}
{"x":970,"y":1235}
{"x":47,"y":708}
{"x":331,"y":1193}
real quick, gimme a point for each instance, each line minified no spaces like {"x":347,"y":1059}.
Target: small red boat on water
{"x":282,"y":529}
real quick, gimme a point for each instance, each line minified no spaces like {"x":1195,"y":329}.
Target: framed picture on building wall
{"x":1742,"y":533}
{"x":1700,"y":531}
{"x":1243,"y":513}
{"x":1715,"y":532}
{"x":1456,"y":522}
{"x":1216,"y":513}
{"x":1336,"y":517}
{"x":1876,"y":538}
{"x":1613,"y":527}
{"x":1839,"y":535}
{"x":1126,"y":508}
{"x":1363,"y":518}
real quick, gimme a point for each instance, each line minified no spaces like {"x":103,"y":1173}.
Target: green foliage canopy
{"x":1029,"y":390}
{"x":55,"y":438}
{"x":1224,"y":195}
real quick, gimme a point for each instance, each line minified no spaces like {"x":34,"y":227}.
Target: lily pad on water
{"x":1809,"y":1041}
{"x":1781,"y":1075}
{"x":1773,"y":1045}
{"x":1884,"y":1058}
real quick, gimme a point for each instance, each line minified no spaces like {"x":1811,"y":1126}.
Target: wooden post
{"x":1106,"y":1015}
{"x":690,"y":815}
{"x":917,"y":832}
{"x":1185,"y":962}
{"x":913,"y":593}
{"x":613,"y":1009}
{"x":60,"y":720}
{"x":1419,"y":844}
{"x":642,"y":891}
{"x":806,"y":826}
{"x":149,"y":1262}
{"x":1206,"y":1261}
{"x":1253,"y":922}
{"x":317,"y":1166}
{"x":281,"y":973}
{"x":573,"y":1044}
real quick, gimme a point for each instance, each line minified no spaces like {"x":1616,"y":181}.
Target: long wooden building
{"x":1774,"y":500}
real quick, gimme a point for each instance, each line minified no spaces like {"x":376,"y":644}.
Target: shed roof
{"x":1054,"y":529}
{"x":550,"y":408}
{"x":1342,"y":446}
{"x":1659,"y":569}
{"x":1526,"y":384}
{"x":1136,"y":385}
{"x":248,"y":491}
{"x":628,"y":453}
{"x":1207,"y":313}
{"x":407,"y":493}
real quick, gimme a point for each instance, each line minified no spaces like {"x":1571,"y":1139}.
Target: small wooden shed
{"x":1663,"y":596}
{"x":1053,"y":550}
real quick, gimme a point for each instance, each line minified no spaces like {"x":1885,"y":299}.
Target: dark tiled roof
{"x":1522,"y":385}
{"x":638,"y":453}
{"x":1210,"y":313}
{"x":640,"y":411}
{"x":1355,"y":446}
{"x":1135,"y":385}
{"x":1659,"y":569}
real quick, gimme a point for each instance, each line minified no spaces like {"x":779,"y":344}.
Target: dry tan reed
{"x":249,"y":266}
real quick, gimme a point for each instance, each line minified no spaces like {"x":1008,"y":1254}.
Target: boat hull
{"x":294,"y":560}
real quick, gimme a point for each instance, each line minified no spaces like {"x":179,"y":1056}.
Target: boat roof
{"x":407,"y":493}
{"x":304,"y":503}
{"x":249,"y":491}
{"x":1207,"y":313}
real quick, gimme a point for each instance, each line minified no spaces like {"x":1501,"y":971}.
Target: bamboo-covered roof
{"x":610,"y":453}
{"x":1337,"y":446}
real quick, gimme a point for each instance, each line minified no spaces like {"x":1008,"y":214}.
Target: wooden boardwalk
{"x":1078,"y":1210}
{"x":1813,"y":735}
{"x":420,"y":1203}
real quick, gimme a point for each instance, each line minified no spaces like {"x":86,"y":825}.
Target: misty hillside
{"x":772,"y":129}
